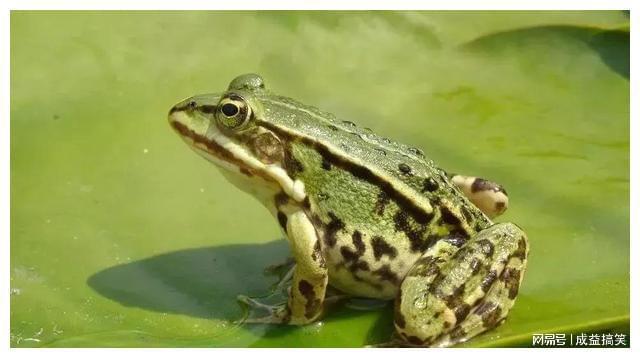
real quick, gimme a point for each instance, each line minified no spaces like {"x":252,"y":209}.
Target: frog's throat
{"x":222,"y":151}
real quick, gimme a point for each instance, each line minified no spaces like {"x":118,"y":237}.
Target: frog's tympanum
{"x":363,"y":214}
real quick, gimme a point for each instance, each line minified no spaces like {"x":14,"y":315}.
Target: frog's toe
{"x":274,"y":313}
{"x":253,"y":303}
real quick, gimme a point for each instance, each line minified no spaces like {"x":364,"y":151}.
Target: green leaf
{"x":122,"y":237}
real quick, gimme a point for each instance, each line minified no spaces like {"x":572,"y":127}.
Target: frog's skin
{"x":363,"y":214}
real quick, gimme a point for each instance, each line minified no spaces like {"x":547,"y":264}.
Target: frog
{"x":364,"y":215}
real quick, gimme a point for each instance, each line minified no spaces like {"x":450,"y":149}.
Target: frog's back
{"x":378,"y":204}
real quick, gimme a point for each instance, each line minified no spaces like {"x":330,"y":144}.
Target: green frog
{"x":363,"y":215}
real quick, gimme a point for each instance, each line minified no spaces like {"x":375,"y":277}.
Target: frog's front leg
{"x":459,"y":289}
{"x":310,"y":276}
{"x":488,"y":196}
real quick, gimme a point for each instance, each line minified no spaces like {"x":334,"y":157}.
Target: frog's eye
{"x":233,"y":111}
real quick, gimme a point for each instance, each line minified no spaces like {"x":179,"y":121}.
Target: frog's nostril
{"x":191,"y":105}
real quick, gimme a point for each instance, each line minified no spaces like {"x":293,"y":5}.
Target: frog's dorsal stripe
{"x":406,"y":198}
{"x":313,"y":112}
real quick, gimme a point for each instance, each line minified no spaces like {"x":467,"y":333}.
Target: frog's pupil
{"x":230,"y":109}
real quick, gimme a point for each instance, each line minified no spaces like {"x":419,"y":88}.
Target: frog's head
{"x":223,"y":129}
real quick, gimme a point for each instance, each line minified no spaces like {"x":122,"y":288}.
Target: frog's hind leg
{"x":488,"y":196}
{"x":458,"y":289}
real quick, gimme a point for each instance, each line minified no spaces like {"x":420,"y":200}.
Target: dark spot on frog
{"x":305,"y":288}
{"x":486,"y":247}
{"x":281,"y":199}
{"x":454,"y":300}
{"x":448,"y":216}
{"x":306,"y":204}
{"x":292,"y":165}
{"x":488,"y":280}
{"x":356,"y":238}
{"x":461,"y":311}
{"x":332,"y":127}
{"x":499,"y":206}
{"x":475,"y":266}
{"x":429,"y":185}
{"x":381,"y":247}
{"x":312,"y":303}
{"x":326,"y":165}
{"x":246,"y":172}
{"x":480,"y":184}
{"x":405,"y":169}
{"x":521,"y":251}
{"x":331,"y":229}
{"x":348,"y":254}
{"x":282,"y":220}
{"x":381,"y":203}
{"x":456,"y":240}
{"x":511,"y":278}
{"x":385,"y":273}
{"x":415,"y":236}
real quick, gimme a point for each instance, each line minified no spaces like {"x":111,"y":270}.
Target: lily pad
{"x":122,"y":237}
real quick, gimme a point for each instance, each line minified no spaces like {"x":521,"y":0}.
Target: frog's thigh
{"x":488,"y":196}
{"x":310,"y":276}
{"x":448,"y":298}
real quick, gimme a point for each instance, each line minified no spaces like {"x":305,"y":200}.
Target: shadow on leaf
{"x":200,"y":282}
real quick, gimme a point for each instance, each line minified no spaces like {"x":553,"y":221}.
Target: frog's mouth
{"x":216,"y":153}
{"x":225,"y":153}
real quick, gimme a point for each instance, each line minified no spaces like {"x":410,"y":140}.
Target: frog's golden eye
{"x":233,"y":111}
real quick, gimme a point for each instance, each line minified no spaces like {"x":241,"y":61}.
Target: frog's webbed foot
{"x":488,"y":196}
{"x":275,"y":314}
{"x":279,"y":313}
{"x":459,"y":289}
